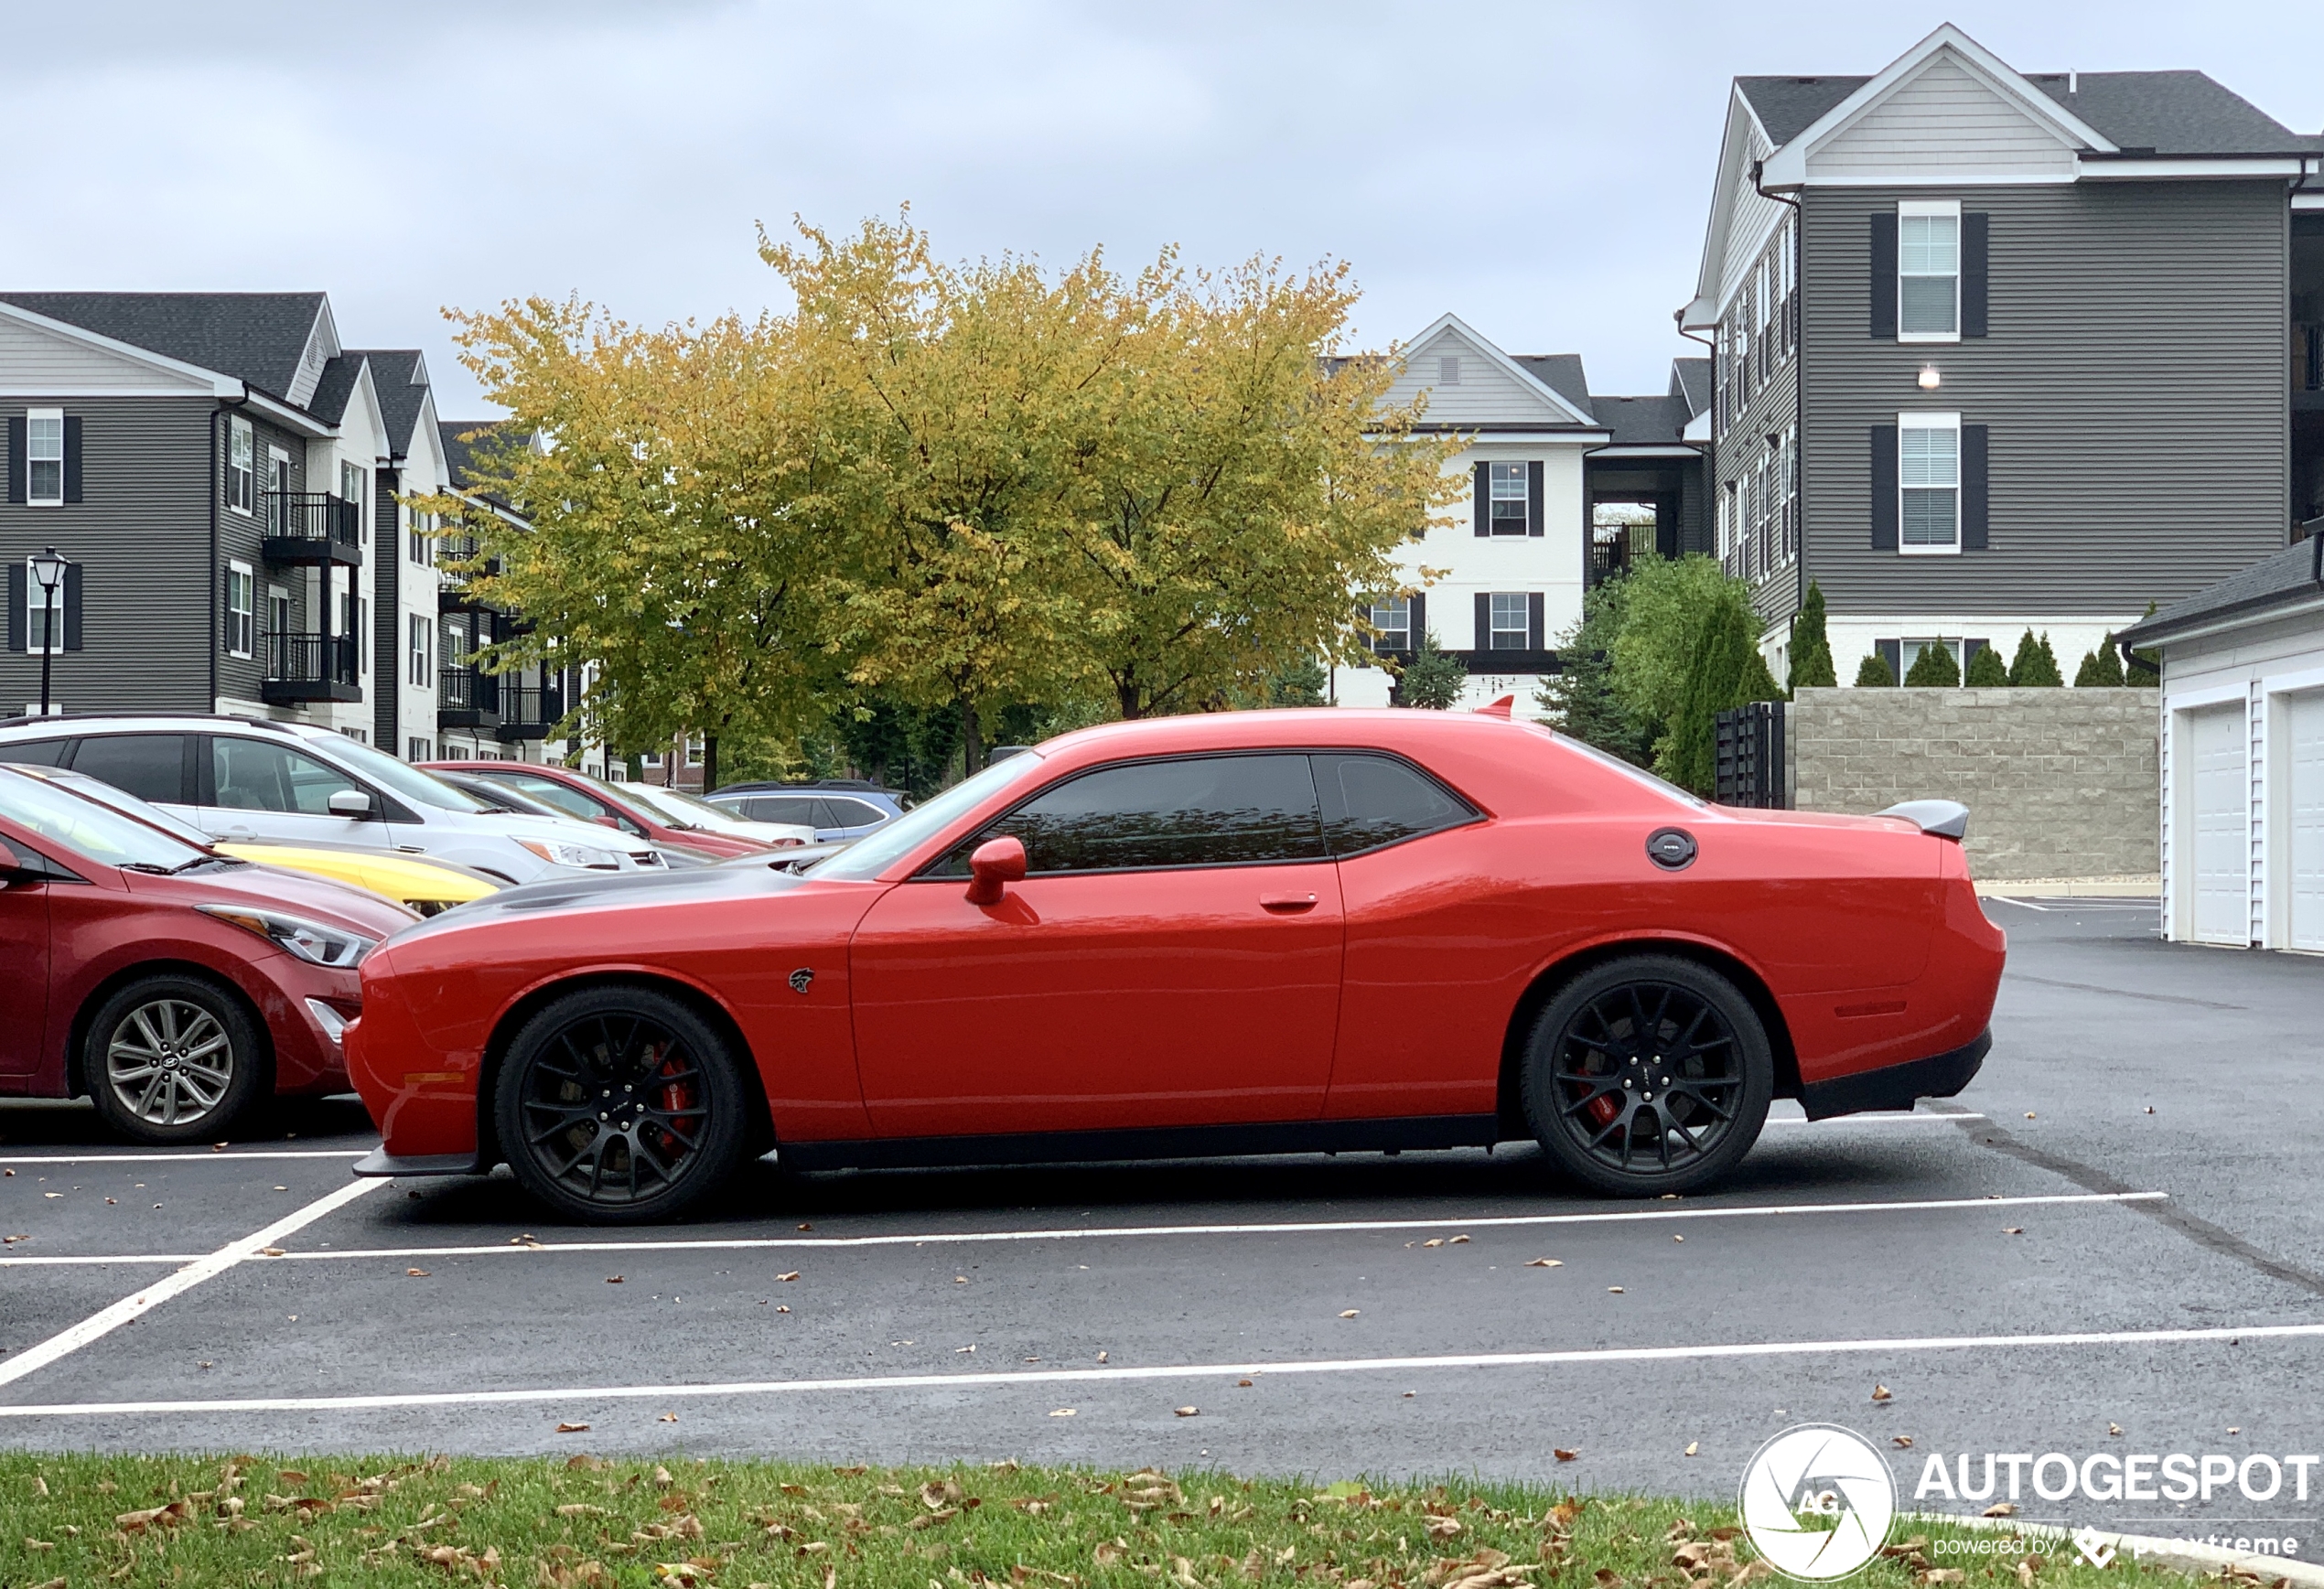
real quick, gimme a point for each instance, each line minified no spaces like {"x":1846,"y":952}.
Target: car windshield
{"x":870,"y":856}
{"x":681,"y":809}
{"x":97,"y":789}
{"x":424,"y":788}
{"x":87,"y":828}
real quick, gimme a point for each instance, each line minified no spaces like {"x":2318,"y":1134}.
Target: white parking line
{"x":107,"y":1320}
{"x":178,"y":1158}
{"x":584,"y":1393}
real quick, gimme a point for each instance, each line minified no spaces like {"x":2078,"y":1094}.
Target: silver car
{"x":242,"y":777}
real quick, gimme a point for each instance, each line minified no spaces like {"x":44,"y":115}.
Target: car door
{"x":24,"y":958}
{"x":1171,"y":959}
{"x":266,"y":788}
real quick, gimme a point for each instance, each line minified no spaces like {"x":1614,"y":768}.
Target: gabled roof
{"x":335,"y":386}
{"x":1576,"y":412}
{"x":400,"y":375}
{"x":1788,"y":106}
{"x":2293,"y":576}
{"x":1691,"y":382}
{"x":2171,"y":112}
{"x":259,"y":338}
{"x":1562,"y":373}
{"x":1635,"y":420}
{"x":460,"y":457}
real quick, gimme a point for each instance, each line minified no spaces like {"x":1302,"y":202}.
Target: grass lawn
{"x":86,"y":1521}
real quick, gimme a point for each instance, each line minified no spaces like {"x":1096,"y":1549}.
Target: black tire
{"x":667,"y":1127}
{"x":1648,"y":1075}
{"x":174,"y":1058}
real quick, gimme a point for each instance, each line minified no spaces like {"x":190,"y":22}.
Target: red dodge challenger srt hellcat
{"x":1236,"y":933}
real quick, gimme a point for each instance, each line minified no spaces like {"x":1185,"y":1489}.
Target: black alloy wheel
{"x":1648,"y":1075}
{"x":621,"y":1105}
{"x":174,"y":1058}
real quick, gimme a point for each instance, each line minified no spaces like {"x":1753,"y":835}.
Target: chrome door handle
{"x":1286,"y":904}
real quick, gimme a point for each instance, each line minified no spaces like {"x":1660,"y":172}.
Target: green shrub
{"x":1811,"y":647}
{"x":1933,"y":669}
{"x":1433,"y":679}
{"x":1874,"y":673}
{"x":2035,"y":667}
{"x":1987,"y":670}
{"x":2101,"y":669}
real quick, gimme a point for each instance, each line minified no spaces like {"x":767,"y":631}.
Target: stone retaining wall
{"x":2059,"y":783}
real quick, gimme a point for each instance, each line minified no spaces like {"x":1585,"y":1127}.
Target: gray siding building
{"x":2000,"y":351}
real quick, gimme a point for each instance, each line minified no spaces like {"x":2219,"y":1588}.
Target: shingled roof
{"x":401,"y":381}
{"x":254,"y":337}
{"x":2157,"y":113}
{"x":2292,"y":576}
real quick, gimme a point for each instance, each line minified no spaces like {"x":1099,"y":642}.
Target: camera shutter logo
{"x":1817,"y":1500}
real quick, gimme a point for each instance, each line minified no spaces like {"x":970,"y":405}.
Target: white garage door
{"x":2304,"y":721}
{"x":2222,"y":807}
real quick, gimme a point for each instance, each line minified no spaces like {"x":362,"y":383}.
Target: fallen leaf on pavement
{"x":1546,"y":1263}
{"x":1063,"y":1412}
{"x":1615,"y":1289}
{"x":2002,"y":1509}
{"x":2113,"y":1429}
{"x":416,"y":1273}
{"x":1880,"y":1394}
{"x":1690,"y":1447}
{"x":1189,"y":1412}
{"x":573,"y":1428}
{"x":667,"y":1418}
{"x":1351,"y":1312}
{"x":793,"y":1274}
{"x":1563,"y":1454}
{"x":613,"y":1279}
{"x":1902,"y":1442}
{"x":264,"y":1252}
{"x":1243,"y":1384}
{"x":1456,"y":1241}
{"x":2013,"y":1230}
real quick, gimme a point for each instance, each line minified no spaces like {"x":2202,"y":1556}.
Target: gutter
{"x":2275,"y":604}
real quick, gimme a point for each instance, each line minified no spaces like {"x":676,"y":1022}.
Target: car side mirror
{"x":351,"y":803}
{"x":992,"y":866}
{"x":605,"y":822}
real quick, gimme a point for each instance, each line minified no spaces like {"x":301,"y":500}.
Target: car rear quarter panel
{"x":433,"y":1002}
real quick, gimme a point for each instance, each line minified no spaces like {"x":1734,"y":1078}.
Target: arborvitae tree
{"x":1933,"y":669}
{"x":2035,"y":665}
{"x":1302,"y":684}
{"x":2101,"y":669}
{"x":1579,"y":699}
{"x":1987,"y":670}
{"x":1874,"y":673}
{"x":1811,"y":647}
{"x":2145,"y":669}
{"x":1717,"y":674}
{"x":1432,"y":678}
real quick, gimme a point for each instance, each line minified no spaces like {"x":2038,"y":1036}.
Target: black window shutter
{"x":1884,"y":488}
{"x":16,"y":459}
{"x":1535,"y":478}
{"x":1484,"y":493}
{"x":1536,"y":621}
{"x":1977,"y":229}
{"x":1975,"y":514}
{"x":1417,"y":617}
{"x":1892,"y":653}
{"x":72,"y":457}
{"x":1884,"y":274}
{"x":18,"y":641}
{"x":72,"y":606}
{"x":1484,"y":639}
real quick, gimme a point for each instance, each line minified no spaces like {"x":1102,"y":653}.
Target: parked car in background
{"x":176,"y":986}
{"x":608,"y":805}
{"x":1282,"y":931}
{"x":413,"y":882}
{"x":244,"y":779}
{"x":834,"y":808}
{"x":683,"y":807}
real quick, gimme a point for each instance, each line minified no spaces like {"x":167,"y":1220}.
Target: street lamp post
{"x":49,"y":572}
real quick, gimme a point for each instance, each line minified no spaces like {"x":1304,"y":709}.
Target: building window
{"x":420,"y":631}
{"x":1510,"y":498}
{"x":241,"y":466}
{"x":1928,"y":482}
{"x":1506,"y":613}
{"x":1929,"y":271}
{"x":242,"y":604}
{"x":418,"y":750}
{"x":1790,"y":494}
{"x":421,"y":547}
{"x":279,"y":486}
{"x":45,"y":457}
{"x":1393,"y":618}
{"x":351,"y":488}
{"x":1448,"y":370}
{"x":278,"y":629}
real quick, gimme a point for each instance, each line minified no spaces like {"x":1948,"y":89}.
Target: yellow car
{"x":427,"y":886}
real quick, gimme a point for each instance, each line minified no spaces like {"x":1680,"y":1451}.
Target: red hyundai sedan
{"x":1237,"y":933}
{"x":174,"y":985}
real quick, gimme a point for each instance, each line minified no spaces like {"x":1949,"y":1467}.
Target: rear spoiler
{"x":1940,"y":818}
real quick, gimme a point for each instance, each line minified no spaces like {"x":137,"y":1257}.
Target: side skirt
{"x":1311,"y":1136}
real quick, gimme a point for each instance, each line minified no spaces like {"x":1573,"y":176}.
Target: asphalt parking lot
{"x":2117,"y":1226}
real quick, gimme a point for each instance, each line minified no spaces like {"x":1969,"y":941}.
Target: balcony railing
{"x":309,"y":667}
{"x":313,"y":527}
{"x":529,"y":711}
{"x":460,"y":688}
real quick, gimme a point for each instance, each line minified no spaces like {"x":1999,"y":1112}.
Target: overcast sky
{"x":1541,"y":170}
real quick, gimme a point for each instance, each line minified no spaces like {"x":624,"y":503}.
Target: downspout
{"x":1711,"y":453}
{"x":1798,"y":374}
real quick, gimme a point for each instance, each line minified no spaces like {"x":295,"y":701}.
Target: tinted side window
{"x":1370,"y":800}
{"x":258,"y":776}
{"x":847,"y":813}
{"x":33,"y":752}
{"x":548,"y":792}
{"x":1205,"y":810}
{"x":798,"y":808}
{"x":150,"y":766}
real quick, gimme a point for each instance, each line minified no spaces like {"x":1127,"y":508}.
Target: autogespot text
{"x":2104,"y":1476}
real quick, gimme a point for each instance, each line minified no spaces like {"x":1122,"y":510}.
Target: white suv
{"x":241,"y":777}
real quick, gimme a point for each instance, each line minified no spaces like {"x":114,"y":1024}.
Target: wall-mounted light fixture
{"x":1930,"y":378}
